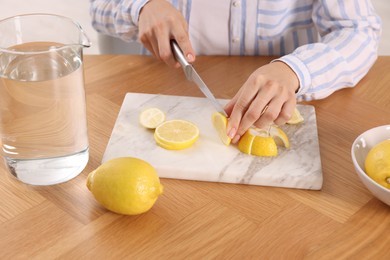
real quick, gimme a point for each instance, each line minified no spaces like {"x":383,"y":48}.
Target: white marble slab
{"x":210,"y":160}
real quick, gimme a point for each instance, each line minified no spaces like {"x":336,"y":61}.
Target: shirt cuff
{"x":300,"y":70}
{"x":136,"y":9}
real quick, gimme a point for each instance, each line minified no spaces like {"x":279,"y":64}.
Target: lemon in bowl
{"x":370,"y":156}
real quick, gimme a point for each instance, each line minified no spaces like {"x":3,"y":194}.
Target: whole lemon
{"x":125,"y":185}
{"x":377,"y":163}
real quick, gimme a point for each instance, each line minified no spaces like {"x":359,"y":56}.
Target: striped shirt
{"x":329,"y":44}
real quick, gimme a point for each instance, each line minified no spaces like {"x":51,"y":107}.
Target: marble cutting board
{"x":210,"y":160}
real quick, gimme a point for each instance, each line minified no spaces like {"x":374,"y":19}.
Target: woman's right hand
{"x":159,"y":23}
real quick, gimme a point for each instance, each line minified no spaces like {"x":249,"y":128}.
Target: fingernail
{"x":190,"y":57}
{"x":235,"y":139}
{"x":232,"y":133}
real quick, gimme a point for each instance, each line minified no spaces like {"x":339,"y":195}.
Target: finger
{"x":286,"y":112}
{"x":272,"y":93}
{"x":268,"y":114}
{"x":230,"y":105}
{"x":256,"y":111}
{"x":244,"y":99}
{"x":270,"y":111}
{"x":166,"y":53}
{"x":184,"y":43}
{"x":180,"y":34}
{"x":165,"y":34}
{"x":146,"y":40}
{"x":164,"y":46}
{"x":258,"y":108}
{"x":150,"y":48}
{"x":230,"y":129}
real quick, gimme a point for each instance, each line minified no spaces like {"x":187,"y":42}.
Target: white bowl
{"x":360,"y":148}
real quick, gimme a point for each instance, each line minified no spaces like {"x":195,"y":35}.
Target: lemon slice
{"x":296,"y":118}
{"x":176,"y":134}
{"x":261,"y":142}
{"x":151,"y":117}
{"x":220,"y":123}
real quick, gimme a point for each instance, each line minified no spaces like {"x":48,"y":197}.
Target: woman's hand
{"x":267,"y":97}
{"x":159,"y":22}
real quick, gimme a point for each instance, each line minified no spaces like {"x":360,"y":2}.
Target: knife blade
{"x":193,"y":76}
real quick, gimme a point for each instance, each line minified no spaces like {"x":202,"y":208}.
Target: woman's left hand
{"x":267,"y":97}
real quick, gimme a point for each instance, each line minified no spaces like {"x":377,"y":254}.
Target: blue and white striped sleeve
{"x":349,"y":35}
{"x":117,"y":18}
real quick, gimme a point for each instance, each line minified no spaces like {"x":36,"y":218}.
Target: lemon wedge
{"x":261,"y":142}
{"x":176,"y":134}
{"x":219,"y":122}
{"x":296,"y":118}
{"x":151,"y":117}
{"x":246,"y":141}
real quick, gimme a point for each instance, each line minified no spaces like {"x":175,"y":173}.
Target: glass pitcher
{"x":43,"y":123}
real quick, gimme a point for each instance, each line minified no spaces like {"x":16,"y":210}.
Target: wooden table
{"x":202,"y":220}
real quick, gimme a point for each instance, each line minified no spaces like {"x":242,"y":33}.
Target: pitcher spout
{"x":84,"y":39}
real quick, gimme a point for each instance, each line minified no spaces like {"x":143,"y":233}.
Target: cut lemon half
{"x":261,"y":142}
{"x":151,"y":117}
{"x":220,"y":123}
{"x":176,"y":134}
{"x":296,"y":118}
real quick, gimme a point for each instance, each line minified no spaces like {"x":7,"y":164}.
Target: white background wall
{"x":79,"y":11}
{"x":75,"y":9}
{"x":383,"y":9}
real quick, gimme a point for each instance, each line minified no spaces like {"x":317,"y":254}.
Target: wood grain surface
{"x":203,"y":220}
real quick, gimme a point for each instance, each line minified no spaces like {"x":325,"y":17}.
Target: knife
{"x":192,"y":75}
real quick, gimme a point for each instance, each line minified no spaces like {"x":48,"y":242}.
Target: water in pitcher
{"x":43,"y":119}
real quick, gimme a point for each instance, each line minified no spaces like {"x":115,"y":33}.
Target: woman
{"x":322,"y":45}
